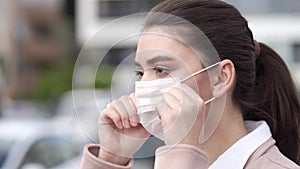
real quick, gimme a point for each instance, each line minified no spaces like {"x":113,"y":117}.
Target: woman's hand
{"x":182,"y":114}
{"x":120,"y":133}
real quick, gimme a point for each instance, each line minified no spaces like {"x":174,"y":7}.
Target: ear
{"x":223,"y":80}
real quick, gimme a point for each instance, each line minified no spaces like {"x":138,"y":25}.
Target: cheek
{"x":204,"y":87}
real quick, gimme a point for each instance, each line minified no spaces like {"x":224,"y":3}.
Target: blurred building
{"x":266,"y":6}
{"x":30,"y":34}
{"x":91,"y":16}
{"x":274,"y":22}
{"x":7,"y":49}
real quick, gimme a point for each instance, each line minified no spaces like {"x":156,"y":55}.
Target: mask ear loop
{"x":200,"y":71}
{"x":210,"y":100}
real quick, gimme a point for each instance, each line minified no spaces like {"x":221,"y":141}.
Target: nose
{"x":148,"y":76}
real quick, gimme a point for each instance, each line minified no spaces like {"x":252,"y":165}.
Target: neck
{"x":230,"y":129}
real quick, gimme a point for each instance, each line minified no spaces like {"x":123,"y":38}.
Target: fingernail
{"x":120,"y":125}
{"x":127,"y":125}
{"x":134,"y":119}
{"x":133,"y":123}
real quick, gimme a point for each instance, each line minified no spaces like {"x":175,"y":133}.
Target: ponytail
{"x":274,"y":99}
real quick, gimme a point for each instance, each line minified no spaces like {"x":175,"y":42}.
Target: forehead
{"x":162,"y":43}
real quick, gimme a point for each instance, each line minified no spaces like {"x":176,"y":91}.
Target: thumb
{"x":132,"y":99}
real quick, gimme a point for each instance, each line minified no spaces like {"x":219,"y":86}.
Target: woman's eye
{"x":161,"y":70}
{"x":139,"y":73}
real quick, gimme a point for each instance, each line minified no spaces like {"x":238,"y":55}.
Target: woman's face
{"x":160,"y":56}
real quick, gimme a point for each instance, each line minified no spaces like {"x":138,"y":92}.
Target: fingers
{"x":134,"y":118}
{"x":188,"y":91}
{"x":111,"y":115}
{"x":122,"y":112}
{"x":176,"y":93}
{"x":169,"y":107}
{"x":130,"y":109}
{"x":179,"y":110}
{"x":171,"y":98}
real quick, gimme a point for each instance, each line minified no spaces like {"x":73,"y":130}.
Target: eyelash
{"x":161,"y":70}
{"x":139,"y":73}
{"x":158,"y":70}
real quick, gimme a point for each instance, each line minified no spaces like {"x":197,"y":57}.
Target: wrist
{"x":113,"y":158}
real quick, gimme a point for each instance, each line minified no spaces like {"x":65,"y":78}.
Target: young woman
{"x":258,"y":125}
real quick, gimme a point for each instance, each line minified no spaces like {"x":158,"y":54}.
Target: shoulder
{"x":268,"y":156}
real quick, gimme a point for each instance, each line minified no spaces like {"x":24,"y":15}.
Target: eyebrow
{"x":157,"y":59}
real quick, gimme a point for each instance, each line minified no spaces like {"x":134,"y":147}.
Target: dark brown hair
{"x":264,"y":87}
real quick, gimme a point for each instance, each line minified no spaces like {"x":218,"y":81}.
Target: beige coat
{"x":267,"y":156}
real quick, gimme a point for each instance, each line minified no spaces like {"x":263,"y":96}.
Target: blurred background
{"x":40,"y":41}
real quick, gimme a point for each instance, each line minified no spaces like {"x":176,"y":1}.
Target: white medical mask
{"x":149,"y":93}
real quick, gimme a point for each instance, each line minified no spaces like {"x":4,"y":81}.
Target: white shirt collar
{"x":237,"y":155}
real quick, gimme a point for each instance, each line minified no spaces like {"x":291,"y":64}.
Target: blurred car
{"x":29,"y":144}
{"x":77,"y":112}
{"x":70,"y":164}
